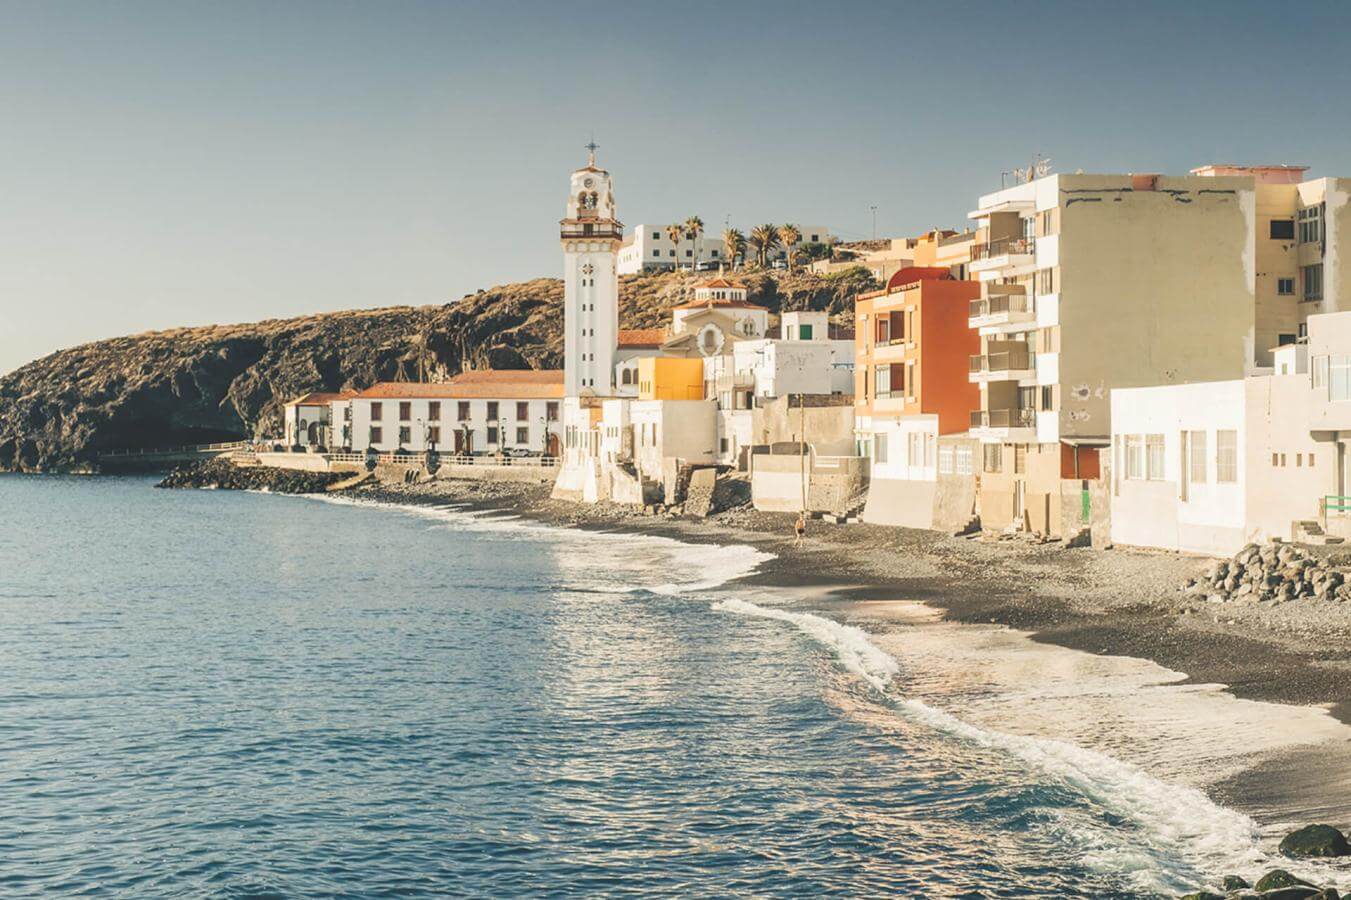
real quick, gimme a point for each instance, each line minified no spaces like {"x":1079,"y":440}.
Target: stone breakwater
{"x":221,"y":473}
{"x":1271,"y":574}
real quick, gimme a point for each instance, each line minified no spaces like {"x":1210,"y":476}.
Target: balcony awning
{"x":1087,"y":441}
{"x":1018,"y":206}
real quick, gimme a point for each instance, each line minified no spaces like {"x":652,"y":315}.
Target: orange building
{"x":913,"y":398}
{"x":912,"y":345}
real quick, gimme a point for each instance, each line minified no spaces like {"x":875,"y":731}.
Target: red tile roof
{"x":703,"y":304}
{"x":721,"y":282}
{"x":642,"y":337}
{"x":912,"y":274}
{"x":519,"y":376}
{"x":315,"y":398}
{"x":491,"y":384}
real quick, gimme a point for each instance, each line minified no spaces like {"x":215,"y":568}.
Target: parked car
{"x":518,"y":452}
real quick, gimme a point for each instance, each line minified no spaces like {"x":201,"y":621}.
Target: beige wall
{"x":829,"y":427}
{"x":1156,"y":287}
{"x":1041,"y":490}
{"x":1288,"y":488}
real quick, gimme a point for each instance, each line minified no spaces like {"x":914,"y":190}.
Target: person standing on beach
{"x":800,"y":528}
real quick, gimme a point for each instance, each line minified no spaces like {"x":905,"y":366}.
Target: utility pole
{"x":802,"y":447}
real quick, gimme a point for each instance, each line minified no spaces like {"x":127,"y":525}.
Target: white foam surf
{"x":601,"y":562}
{"x":1179,"y":833}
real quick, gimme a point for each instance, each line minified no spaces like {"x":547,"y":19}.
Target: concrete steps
{"x":1308,"y":531}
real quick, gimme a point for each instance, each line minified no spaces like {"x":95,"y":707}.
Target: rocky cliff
{"x":196,"y":385}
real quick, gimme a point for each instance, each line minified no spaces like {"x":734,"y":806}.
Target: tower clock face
{"x":590,"y":182}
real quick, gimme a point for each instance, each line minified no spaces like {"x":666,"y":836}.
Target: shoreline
{"x":1117,"y":603}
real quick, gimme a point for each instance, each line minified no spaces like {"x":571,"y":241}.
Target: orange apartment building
{"x":913,"y":398}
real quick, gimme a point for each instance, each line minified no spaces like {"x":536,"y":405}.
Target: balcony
{"x":1007,"y":252}
{"x":1013,"y":425}
{"x":999,"y":305}
{"x":1003,"y":361}
{"x":599,"y":229}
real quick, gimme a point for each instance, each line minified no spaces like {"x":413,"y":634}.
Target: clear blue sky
{"x":182,"y":163}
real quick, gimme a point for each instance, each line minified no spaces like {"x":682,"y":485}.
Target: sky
{"x":188,"y":162}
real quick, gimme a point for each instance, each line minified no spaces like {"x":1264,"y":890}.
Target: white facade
{"x":454,"y":424}
{"x":307,"y":423}
{"x":684,"y":430}
{"x":1179,"y":467}
{"x":648,"y":248}
{"x":590,"y":235}
{"x":778,"y":368}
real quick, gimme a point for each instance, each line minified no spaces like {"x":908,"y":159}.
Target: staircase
{"x":852,"y":513}
{"x":1308,"y":531}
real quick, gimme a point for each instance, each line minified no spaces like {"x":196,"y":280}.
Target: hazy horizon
{"x":177,"y":165}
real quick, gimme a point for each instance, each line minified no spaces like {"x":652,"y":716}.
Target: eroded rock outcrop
{"x":198,"y":385}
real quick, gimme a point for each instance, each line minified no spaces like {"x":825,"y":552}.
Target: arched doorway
{"x":315,"y":433}
{"x":554,"y":448}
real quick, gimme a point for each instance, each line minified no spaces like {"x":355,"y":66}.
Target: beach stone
{"x":1202,"y":895}
{"x":1233,"y":883}
{"x":1279,"y":878}
{"x":1299,"y":892}
{"x":1315,"y":840}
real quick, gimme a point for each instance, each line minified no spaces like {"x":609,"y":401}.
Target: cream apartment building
{"x":1096,"y":282}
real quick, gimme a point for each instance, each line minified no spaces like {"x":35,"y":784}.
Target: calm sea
{"x":241,"y":695}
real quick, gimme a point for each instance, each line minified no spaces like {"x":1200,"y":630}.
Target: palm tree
{"x":790,"y":236}
{"x":674,"y":233}
{"x":764,"y":240}
{"x":694,"y":229}
{"x":733,"y":244}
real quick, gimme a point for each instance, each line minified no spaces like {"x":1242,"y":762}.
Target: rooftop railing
{"x":1003,"y":247}
{"x":1003,"y":418}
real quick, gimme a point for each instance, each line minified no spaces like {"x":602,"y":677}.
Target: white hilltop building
{"x":649,"y":249}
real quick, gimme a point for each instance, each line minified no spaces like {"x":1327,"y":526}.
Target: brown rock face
{"x":224,"y":382}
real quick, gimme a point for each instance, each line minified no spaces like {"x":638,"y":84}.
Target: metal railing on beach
{"x":183,"y":448}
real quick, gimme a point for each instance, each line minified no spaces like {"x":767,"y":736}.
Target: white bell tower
{"x":591,"y":236}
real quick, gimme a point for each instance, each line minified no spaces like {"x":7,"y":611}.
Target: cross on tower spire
{"x":591,"y":152}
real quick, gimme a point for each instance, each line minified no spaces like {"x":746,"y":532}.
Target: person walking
{"x":800,"y":528}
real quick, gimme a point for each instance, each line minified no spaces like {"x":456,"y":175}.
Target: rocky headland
{"x":227,"y":382}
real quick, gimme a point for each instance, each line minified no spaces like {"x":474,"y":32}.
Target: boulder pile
{"x":1275,"y":573}
{"x":221,"y":473}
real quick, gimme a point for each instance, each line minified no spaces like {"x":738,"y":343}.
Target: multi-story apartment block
{"x":1096,"y":282}
{"x":911,"y":389}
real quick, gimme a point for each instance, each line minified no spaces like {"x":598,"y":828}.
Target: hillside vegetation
{"x":193,"y":385}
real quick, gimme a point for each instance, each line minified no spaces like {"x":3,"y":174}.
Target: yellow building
{"x":670,"y":378}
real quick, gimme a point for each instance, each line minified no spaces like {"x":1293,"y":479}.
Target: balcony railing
{"x":1000,"y":305}
{"x":1003,"y":418}
{"x":1005,"y":247}
{"x":1016,"y":359}
{"x":601,"y":229}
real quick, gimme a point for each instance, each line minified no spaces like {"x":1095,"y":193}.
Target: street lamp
{"x":502,"y":436}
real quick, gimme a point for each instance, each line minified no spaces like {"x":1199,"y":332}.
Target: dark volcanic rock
{"x":219,"y":473}
{"x":198,"y":385}
{"x":1279,"y":878}
{"x":1315,"y":840}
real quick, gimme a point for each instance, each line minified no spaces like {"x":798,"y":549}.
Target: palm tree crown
{"x":694,"y":229}
{"x":764,"y":240}
{"x":734,"y":245}
{"x":674,"y":233}
{"x":790,"y":235}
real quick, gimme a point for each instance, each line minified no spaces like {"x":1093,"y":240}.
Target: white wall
{"x":449,"y":422}
{"x":1150,"y":511}
{"x":296,"y":419}
{"x":682,"y":429}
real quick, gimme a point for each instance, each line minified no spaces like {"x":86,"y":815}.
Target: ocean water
{"x":221,"y":694}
